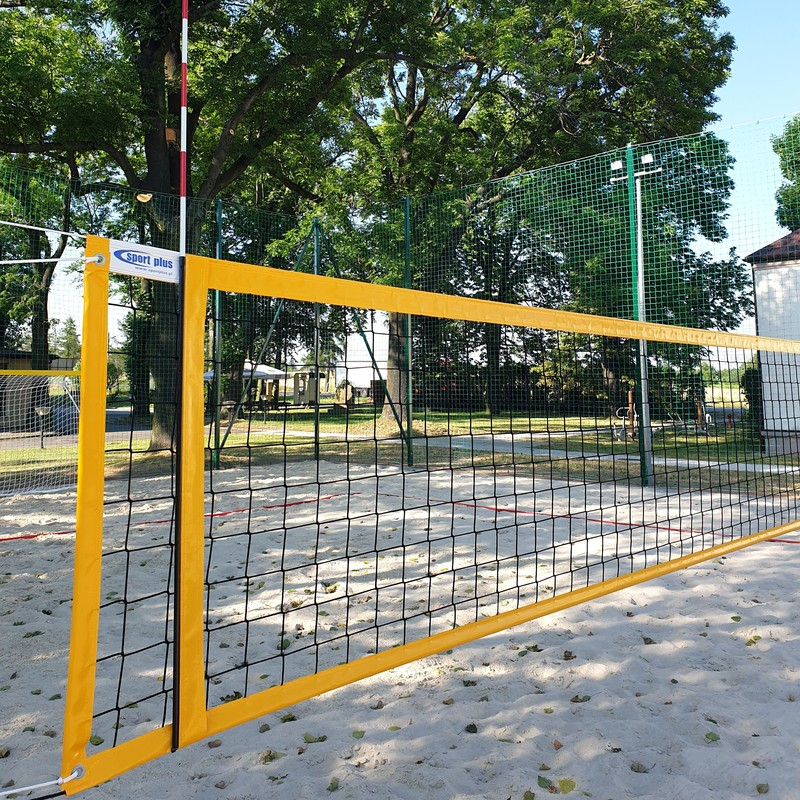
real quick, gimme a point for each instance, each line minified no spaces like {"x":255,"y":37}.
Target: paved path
{"x":527,"y":444}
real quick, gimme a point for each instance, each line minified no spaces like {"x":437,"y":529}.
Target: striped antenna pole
{"x":179,"y":710}
{"x":184,"y":115}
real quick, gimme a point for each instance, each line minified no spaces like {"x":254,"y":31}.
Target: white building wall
{"x":359,"y":365}
{"x":777,"y":292}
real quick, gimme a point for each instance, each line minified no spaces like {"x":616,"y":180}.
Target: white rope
{"x":76,"y":773}
{"x":88,"y":259}
{"x":44,"y":230}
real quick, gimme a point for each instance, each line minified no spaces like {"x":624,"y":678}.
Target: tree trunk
{"x":137,"y":363}
{"x":164,"y":364}
{"x":396,"y":371}
{"x":493,"y":388}
{"x":40,"y":320}
{"x":40,"y":328}
{"x":616,"y":363}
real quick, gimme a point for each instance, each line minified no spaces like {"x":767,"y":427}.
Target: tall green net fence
{"x":669,"y":232}
{"x":399,"y":475}
{"x":45,"y":218}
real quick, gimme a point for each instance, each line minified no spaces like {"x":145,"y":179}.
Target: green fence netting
{"x":658,"y":232}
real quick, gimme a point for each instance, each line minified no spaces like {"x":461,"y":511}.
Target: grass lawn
{"x":563,"y":447}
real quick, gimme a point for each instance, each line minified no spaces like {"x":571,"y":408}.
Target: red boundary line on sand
{"x":34,"y":535}
{"x":164,"y":521}
{"x":561,"y":516}
{"x":594,"y":519}
{"x":598,"y":520}
{"x":495,"y":509}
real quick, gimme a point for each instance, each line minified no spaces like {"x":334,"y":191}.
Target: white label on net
{"x":143,"y":261}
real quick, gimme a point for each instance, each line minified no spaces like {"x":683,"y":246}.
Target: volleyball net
{"x":357,"y":506}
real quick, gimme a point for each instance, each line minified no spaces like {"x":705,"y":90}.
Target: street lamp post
{"x":634,"y":183}
{"x":41,"y":412}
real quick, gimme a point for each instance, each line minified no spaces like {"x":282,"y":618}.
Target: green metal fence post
{"x":409,"y":386}
{"x":636,"y":237}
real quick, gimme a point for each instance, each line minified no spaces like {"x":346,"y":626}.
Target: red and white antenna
{"x":184,"y":115}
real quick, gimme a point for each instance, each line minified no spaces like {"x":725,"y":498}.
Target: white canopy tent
{"x":254,"y":372}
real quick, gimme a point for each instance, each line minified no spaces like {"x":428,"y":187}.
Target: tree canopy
{"x":787,"y":147}
{"x":520,"y":86}
{"x":97,"y":78}
{"x":352,"y":105}
{"x":413,"y":96}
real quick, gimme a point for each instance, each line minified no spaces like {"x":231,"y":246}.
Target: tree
{"x":753,"y":389}
{"x":102,"y":80}
{"x":65,"y":340}
{"x":509,"y":88}
{"x":25,"y":286}
{"x":347,"y":100}
{"x":134,"y":350}
{"x":559,"y":237}
{"x":787,"y":148}
{"x":114,"y":372}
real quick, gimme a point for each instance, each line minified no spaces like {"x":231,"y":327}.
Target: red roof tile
{"x":784,"y":249}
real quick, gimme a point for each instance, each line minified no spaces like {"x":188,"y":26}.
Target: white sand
{"x":705,"y":710}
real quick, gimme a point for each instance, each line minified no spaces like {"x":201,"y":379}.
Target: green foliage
{"x":787,"y":147}
{"x":95,"y":85}
{"x":752,"y":389}
{"x":61,"y":80}
{"x":134,"y":351}
{"x":353,"y":99}
{"x":114,"y":374}
{"x":65,"y":341}
{"x":560,"y":237}
{"x":348,"y":107}
{"x":510,"y":87}
{"x":39,"y":199}
{"x":103,"y":78}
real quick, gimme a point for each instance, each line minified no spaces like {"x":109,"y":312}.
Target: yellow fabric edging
{"x":109,"y":763}
{"x":89,"y":517}
{"x":191,"y":667}
{"x":46,"y":373}
{"x":249,"y":279}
